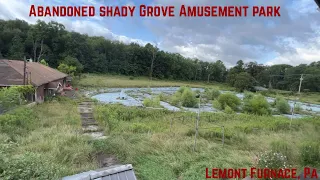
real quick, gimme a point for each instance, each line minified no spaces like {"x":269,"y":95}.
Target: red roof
{"x":11,"y":73}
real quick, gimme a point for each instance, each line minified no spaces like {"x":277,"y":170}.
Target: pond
{"x":135,"y":97}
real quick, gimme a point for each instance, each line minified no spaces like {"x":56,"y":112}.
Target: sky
{"x":293,"y":38}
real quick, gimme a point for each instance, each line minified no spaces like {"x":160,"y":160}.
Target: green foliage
{"x":212,"y":94}
{"x":140,"y":128}
{"x":70,"y":70}
{"x":283,"y":147}
{"x":229,"y":99}
{"x":152,"y":102}
{"x":17,"y":48}
{"x":13,"y":96}
{"x":248,"y":95}
{"x":257,"y":105}
{"x":9,"y":97}
{"x":29,"y":166}
{"x":188,"y":98}
{"x":176,"y":98}
{"x":310,"y":153}
{"x":216,"y":104}
{"x":18,"y":122}
{"x":282,"y":105}
{"x":44,"y":62}
{"x":243,"y":81}
{"x":228,"y":110}
{"x":73,"y":62}
{"x":298,"y":108}
{"x":272,"y":160}
{"x":185,"y":97}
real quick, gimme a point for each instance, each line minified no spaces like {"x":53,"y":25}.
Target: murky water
{"x":135,"y":97}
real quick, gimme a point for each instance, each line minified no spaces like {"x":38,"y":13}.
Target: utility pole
{"x":24,"y":70}
{"x":295,"y":101}
{"x":301,"y":78}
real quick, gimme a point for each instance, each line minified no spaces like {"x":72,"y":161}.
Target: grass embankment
{"x":113,"y":81}
{"x":94,"y":81}
{"x":43,"y":142}
{"x":307,"y":97}
{"x":144,"y":138}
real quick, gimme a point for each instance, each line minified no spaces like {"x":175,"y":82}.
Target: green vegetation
{"x":99,"y":55}
{"x":184,"y":97}
{"x":229,"y":99}
{"x":212,"y":94}
{"x":256,"y":104}
{"x":152,"y":102}
{"x":41,"y":143}
{"x":110,"y":81}
{"x":282,"y":105}
{"x":188,"y":98}
{"x":13,"y":96}
{"x":145,"y":140}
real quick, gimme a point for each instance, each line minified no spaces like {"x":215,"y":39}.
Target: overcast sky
{"x":293,"y":38}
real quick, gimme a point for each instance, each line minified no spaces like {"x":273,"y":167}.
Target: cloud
{"x":292,"y":38}
{"x":95,"y":26}
{"x":246,"y":38}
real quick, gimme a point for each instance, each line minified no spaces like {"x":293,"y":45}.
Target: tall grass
{"x":160,"y":149}
{"x":42,"y":143}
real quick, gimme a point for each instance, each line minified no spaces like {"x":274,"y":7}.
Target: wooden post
{"x":171,"y":124}
{"x":222,"y":135}
{"x":24,"y":70}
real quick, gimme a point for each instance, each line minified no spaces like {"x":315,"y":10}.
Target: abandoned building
{"x":47,"y":81}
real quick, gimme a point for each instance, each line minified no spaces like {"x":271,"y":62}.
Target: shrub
{"x":175,"y":99}
{"x":19,"y":122}
{"x":29,"y":166}
{"x":229,"y":99}
{"x":297,"y":108}
{"x":212,"y":94}
{"x":272,"y":160}
{"x":282,"y":105}
{"x":228,"y":110}
{"x":216,"y":104}
{"x":310,"y":153}
{"x":257,"y":105}
{"x":248,"y":95}
{"x":182,"y":89}
{"x":152,"y":102}
{"x":188,"y":98}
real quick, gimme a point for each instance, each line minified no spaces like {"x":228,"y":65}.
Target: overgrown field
{"x":161,"y":150}
{"x":96,"y":81}
{"x":43,"y":143}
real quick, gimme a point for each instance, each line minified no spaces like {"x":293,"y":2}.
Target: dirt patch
{"x":106,"y":160}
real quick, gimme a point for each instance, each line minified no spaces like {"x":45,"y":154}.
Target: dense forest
{"x":51,"y":43}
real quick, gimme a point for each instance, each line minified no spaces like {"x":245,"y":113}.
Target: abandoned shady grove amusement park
{"x":159,"y":90}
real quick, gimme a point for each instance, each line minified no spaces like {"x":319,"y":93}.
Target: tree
{"x":44,"y":62}
{"x":70,"y":70}
{"x":153,"y":51}
{"x":73,"y":62}
{"x":17,"y":48}
{"x":243,"y":81}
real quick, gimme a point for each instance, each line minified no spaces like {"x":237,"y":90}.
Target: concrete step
{"x":96,"y":135}
{"x":91,"y":128}
{"x":86,"y":115}
{"x":85,"y":110}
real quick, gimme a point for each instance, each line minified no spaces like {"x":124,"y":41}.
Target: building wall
{"x":40,"y":94}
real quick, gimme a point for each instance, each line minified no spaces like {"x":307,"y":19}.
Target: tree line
{"x":76,"y":53}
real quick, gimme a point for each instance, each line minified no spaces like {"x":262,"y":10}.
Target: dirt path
{"x":89,"y":124}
